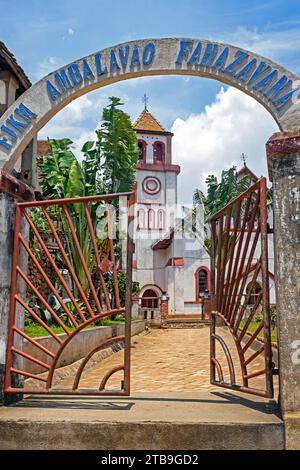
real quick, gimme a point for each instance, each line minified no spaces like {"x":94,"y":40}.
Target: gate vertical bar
{"x":13,"y":292}
{"x":128,"y":295}
{"x":213,"y":303}
{"x":265,"y":285}
{"x":238,"y":315}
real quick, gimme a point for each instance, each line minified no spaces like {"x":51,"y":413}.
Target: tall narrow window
{"x":161,"y":219}
{"x":202,"y":281}
{"x":202,"y":278}
{"x":151,"y":219}
{"x":158,"y":152}
{"x":141,"y":219}
{"x":142,"y":150}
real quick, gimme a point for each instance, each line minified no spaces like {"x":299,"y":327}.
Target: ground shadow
{"x":126,"y":403}
{"x":93,"y":403}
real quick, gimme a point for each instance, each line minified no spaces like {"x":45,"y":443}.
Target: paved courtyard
{"x":174,"y":360}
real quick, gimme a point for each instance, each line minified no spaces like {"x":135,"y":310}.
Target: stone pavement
{"x":166,"y":360}
{"x":172,"y":406}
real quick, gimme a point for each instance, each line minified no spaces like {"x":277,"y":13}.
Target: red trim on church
{"x":158,"y":167}
{"x":175,"y":262}
{"x":159,"y":159}
{"x":144,"y":149}
{"x":208,"y":284}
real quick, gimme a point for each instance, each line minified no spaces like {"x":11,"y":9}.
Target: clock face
{"x":151,"y":185}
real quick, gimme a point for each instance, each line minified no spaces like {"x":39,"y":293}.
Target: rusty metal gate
{"x":71,"y":245}
{"x":240,"y":343}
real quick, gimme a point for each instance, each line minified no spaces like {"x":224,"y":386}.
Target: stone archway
{"x":270,"y":84}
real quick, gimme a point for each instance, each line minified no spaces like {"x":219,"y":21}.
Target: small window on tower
{"x":142,"y":150}
{"x":159,"y":152}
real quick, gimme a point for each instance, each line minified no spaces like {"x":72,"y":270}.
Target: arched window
{"x":151,"y":218}
{"x":149,"y":299}
{"x":202,"y":278}
{"x":141,"y":219}
{"x":142,"y":150}
{"x":255,"y":292}
{"x":161,"y":219}
{"x":158,"y":152}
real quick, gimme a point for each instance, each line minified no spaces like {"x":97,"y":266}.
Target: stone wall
{"x":79,"y":347}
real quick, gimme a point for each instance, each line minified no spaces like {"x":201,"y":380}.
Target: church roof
{"x":147,"y":122}
{"x":245,"y":171}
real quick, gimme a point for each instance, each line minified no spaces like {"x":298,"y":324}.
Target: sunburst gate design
{"x":239,"y":259}
{"x":72,"y":241}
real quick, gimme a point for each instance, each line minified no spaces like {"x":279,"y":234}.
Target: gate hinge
{"x":275,"y":371}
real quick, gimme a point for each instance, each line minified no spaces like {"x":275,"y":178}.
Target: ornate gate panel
{"x":73,"y":284}
{"x":241,"y":353}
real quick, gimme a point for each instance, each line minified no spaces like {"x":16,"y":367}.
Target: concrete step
{"x":148,"y":421}
{"x":178,"y":316}
{"x":186,"y":324}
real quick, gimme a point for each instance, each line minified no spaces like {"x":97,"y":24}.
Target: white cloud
{"x":71,"y":32}
{"x":214,"y":140}
{"x":47,"y":65}
{"x":273,"y":43}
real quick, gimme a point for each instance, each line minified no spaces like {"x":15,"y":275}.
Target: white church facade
{"x":171,"y":266}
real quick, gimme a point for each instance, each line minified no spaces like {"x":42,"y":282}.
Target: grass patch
{"x":34,"y":330}
{"x":253,"y":327}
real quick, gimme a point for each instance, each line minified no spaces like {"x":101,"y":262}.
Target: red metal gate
{"x":240,"y":326}
{"x":71,"y":245}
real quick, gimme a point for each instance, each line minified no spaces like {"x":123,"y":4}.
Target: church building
{"x":171,"y":265}
{"x":167,"y":266}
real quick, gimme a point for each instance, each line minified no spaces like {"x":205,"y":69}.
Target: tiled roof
{"x":8,"y":61}
{"x":43,"y":148}
{"x":147,"y":122}
{"x":245,"y":171}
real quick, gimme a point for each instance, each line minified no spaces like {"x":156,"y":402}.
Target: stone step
{"x":195,"y":316}
{"x":155,"y":421}
{"x":186,"y":324}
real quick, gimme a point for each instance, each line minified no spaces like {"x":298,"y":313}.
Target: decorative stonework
{"x":282,"y":145}
{"x":151,"y":185}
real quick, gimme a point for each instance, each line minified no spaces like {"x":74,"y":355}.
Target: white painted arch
{"x":268,"y":83}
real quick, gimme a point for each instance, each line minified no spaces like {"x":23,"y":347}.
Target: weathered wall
{"x":283,"y":151}
{"x":7,"y":219}
{"x":286,"y":180}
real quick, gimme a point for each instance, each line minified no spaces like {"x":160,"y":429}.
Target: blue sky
{"x":46,"y":35}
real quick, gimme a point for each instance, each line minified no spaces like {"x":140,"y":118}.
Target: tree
{"x":119,"y":148}
{"x":108,"y":166}
{"x":219,"y":194}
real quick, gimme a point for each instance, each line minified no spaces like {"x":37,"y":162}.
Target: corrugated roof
{"x":9,"y":62}
{"x":147,"y":122}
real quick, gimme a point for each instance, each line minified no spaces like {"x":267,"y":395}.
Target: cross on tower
{"x":145,"y":100}
{"x":244,"y":158}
